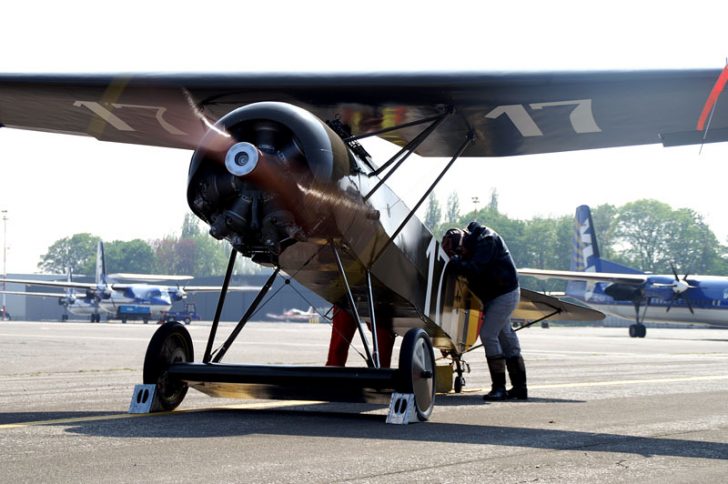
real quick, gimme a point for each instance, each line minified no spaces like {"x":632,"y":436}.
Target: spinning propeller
{"x":679,"y":287}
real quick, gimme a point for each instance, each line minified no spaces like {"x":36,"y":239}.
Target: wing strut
{"x":406,"y":150}
{"x":468,"y":139}
{"x":371,"y":363}
{"x":375,"y":340}
{"x":220,"y":304}
{"x":243,"y":321}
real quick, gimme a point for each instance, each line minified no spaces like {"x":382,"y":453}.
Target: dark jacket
{"x":489,"y":267}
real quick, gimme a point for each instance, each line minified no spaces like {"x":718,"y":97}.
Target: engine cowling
{"x":260,"y":176}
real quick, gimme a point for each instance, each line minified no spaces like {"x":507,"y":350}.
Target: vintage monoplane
{"x":278,"y":171}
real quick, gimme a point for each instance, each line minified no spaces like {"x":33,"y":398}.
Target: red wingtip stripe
{"x":713,"y":98}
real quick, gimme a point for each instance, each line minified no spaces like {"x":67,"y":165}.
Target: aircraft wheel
{"x":632,"y":330}
{"x":170,"y":344}
{"x":458,"y":384}
{"x":641,"y":330}
{"x":417,"y":366}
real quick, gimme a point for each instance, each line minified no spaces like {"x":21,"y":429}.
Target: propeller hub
{"x":680,"y":287}
{"x":241,"y":159}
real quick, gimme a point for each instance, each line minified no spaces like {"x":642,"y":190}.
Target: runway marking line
{"x":295,"y":403}
{"x":612,"y":383}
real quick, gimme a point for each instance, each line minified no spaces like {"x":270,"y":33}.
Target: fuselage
{"x":708,"y":298}
{"x":152,"y":300}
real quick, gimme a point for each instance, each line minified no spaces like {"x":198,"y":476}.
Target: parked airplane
{"x":626,"y":292}
{"x":85,"y":304}
{"x":279,"y":173}
{"x":121,"y":300}
{"x":294,"y":314}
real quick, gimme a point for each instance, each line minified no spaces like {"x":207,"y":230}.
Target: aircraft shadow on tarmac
{"x":477,"y":399}
{"x":312,"y":422}
{"x":8,"y":418}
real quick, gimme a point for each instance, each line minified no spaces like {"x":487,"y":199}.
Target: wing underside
{"x":64,"y":284}
{"x":509,"y":113}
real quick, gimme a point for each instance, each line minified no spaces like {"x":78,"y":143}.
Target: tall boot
{"x":517,"y":374}
{"x":497,"y":368}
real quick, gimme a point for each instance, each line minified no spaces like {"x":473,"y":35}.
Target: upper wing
{"x":38,"y":294}
{"x":631,"y":279}
{"x":509,"y":113}
{"x":75,"y":285}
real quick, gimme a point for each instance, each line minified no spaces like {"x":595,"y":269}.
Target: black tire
{"x":632,"y":330}
{"x":417,"y":369}
{"x":459,"y":384}
{"x":641,"y":330}
{"x":170,"y":344}
{"x":188,"y":320}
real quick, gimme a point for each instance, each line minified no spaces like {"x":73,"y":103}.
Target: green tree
{"x":190,"y":227}
{"x":77,"y":253}
{"x":692,"y":246}
{"x":134,"y":256}
{"x":605,"y":225}
{"x":453,"y":208}
{"x":192,"y":253}
{"x":433,"y":213}
{"x":493,"y":204}
{"x":653,"y":236}
{"x":644,"y":228}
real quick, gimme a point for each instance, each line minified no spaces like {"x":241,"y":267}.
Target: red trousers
{"x":342,"y":331}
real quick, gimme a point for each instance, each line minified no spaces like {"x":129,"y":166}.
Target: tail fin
{"x":69,"y":277}
{"x":100,"y":264}
{"x":586,"y":250}
{"x":586,"y":255}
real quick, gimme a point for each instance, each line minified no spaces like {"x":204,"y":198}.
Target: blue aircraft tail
{"x":586,"y":257}
{"x":100,"y":264}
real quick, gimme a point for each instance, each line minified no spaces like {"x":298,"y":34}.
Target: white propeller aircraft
{"x":108,"y":296}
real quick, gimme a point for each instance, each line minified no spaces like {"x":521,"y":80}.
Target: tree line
{"x":648,"y":235}
{"x":645,"y":234}
{"x":192,"y":252}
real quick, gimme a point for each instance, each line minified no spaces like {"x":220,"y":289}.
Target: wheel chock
{"x":402,"y":409}
{"x":144,"y":399}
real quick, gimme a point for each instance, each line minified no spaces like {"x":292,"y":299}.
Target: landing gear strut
{"x":638,"y":330}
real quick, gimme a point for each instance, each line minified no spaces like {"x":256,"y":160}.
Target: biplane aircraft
{"x":278,"y":171}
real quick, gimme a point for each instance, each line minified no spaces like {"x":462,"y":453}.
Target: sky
{"x":56,"y":185}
